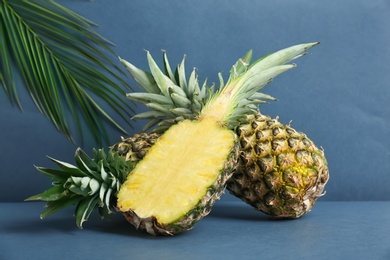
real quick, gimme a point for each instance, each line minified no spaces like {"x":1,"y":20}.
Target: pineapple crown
{"x":171,"y":98}
{"x":92,"y":184}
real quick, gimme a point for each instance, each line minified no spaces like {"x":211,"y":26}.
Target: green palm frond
{"x":65,"y":65}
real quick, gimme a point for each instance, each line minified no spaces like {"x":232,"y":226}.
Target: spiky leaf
{"x":90,"y":184}
{"x":168,"y":93}
{"x":176,"y":99}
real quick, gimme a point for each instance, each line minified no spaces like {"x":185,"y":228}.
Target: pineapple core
{"x":177,"y":171}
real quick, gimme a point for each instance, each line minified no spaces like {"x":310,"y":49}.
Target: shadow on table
{"x":236,"y":210}
{"x":67,"y":225}
{"x":65,"y":222}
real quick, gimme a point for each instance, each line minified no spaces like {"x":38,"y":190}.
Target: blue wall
{"x":338,"y":95}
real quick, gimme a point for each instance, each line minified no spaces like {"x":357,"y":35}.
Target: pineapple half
{"x":186,"y":169}
{"x":280,"y":171}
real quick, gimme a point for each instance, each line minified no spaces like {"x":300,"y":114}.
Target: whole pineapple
{"x":186,"y":169}
{"x":280,"y":171}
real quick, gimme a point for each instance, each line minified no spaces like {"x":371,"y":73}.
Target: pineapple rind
{"x":281,"y":172}
{"x":202,"y":209}
{"x":135,"y":148}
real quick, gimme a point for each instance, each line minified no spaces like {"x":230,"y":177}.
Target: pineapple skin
{"x":135,"y":148}
{"x":280,"y":171}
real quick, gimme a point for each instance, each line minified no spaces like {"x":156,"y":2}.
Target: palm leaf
{"x":66,"y":67}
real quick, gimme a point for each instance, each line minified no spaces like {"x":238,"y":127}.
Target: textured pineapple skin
{"x":188,"y":220}
{"x":135,"y":148}
{"x":280,"y":171}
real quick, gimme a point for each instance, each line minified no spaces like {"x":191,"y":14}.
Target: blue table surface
{"x":233,"y":230}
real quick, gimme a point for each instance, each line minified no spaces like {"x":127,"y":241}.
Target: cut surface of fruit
{"x":177,"y":171}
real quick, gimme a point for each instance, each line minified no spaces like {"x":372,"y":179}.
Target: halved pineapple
{"x":178,"y":181}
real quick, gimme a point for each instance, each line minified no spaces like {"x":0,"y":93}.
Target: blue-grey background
{"x":338,"y":95}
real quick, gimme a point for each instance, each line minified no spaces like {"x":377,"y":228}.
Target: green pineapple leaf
{"x":92,"y":183}
{"x":84,"y":209}
{"x":66,"y":67}
{"x":53,"y":194}
{"x":241,"y":66}
{"x":57,"y":205}
{"x":169,"y":95}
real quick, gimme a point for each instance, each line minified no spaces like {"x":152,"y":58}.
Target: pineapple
{"x":185,"y":170}
{"x":280,"y":171}
{"x":292,"y":191}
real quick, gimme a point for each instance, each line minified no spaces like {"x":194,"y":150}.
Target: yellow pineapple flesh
{"x":172,"y":177}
